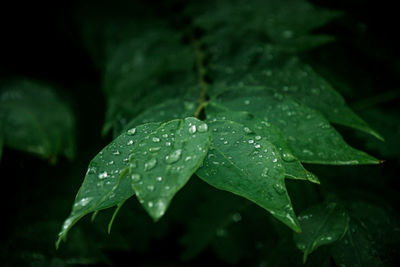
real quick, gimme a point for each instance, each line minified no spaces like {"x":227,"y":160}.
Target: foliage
{"x":219,"y":124}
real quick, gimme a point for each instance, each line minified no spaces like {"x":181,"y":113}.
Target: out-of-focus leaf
{"x":371,"y":231}
{"x":34,"y":119}
{"x":321,"y":225}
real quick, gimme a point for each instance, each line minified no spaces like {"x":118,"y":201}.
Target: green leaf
{"x":164,"y":160}
{"x":151,"y":65}
{"x":105,"y":183}
{"x":34,"y":119}
{"x":371,"y":232}
{"x":322,"y":224}
{"x":293,"y":167}
{"x":310,"y":136}
{"x":303,"y":84}
{"x":166,"y":111}
{"x":234,"y":20}
{"x":250,"y":167}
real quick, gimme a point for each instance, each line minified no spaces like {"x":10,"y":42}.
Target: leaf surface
{"x":321,"y":225}
{"x":34,"y":119}
{"x":309,"y":135}
{"x":262,"y":129}
{"x":302,"y":83}
{"x":241,"y":164}
{"x":165,"y":111}
{"x":106,"y":183}
{"x":164,"y":160}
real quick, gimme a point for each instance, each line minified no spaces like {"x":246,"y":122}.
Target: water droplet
{"x":150,"y":187}
{"x":247,"y":102}
{"x":288,"y":157}
{"x":308,"y":152}
{"x":275,"y":160}
{"x":251,"y":141}
{"x":257,"y":146}
{"x":156,"y":139}
{"x":203,"y":128}
{"x":279,"y":188}
{"x":154,"y":149}
{"x":135,"y":177}
{"x":159,"y":178}
{"x":166,"y":187}
{"x":165,"y":135}
{"x":116,"y":152}
{"x":225,"y":142}
{"x":150,"y":204}
{"x":174,"y":156}
{"x":83,"y":202}
{"x":168,"y":143}
{"x":131,"y":131}
{"x":188,"y":158}
{"x":257,"y":137}
{"x":103,"y":175}
{"x":265,"y":172}
{"x":150,"y":164}
{"x":192,"y":129}
{"x":111,"y":162}
{"x":130,"y":142}
{"x":247,"y":130}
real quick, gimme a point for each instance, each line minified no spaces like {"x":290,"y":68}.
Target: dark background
{"x":42,"y":40}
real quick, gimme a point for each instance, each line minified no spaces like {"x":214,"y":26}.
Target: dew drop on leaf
{"x":103,"y":175}
{"x":203,"y":128}
{"x":150,"y":164}
{"x":174,"y":156}
{"x":192,"y":129}
{"x":135,"y":177}
{"x":131,"y":131}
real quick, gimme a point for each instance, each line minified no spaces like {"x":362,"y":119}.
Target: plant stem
{"x":201,"y":73}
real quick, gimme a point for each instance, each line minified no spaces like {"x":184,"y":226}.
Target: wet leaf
{"x":263,"y":129}
{"x":321,"y":225}
{"x":163,"y":161}
{"x":309,"y":135}
{"x":239,"y":163}
{"x":106,"y":183}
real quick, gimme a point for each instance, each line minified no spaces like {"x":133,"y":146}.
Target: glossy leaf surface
{"x":106,"y":183}
{"x":241,"y":164}
{"x":164,"y":160}
{"x":309,"y":135}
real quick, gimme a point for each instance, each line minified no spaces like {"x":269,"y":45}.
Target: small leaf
{"x":105,"y":183}
{"x":239,"y":163}
{"x":321,"y":225}
{"x":163,"y":161}
{"x":34,"y":119}
{"x":263,"y":129}
{"x":309,"y":135}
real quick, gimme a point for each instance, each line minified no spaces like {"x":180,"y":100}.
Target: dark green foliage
{"x":34,"y":119}
{"x":218,"y":123}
